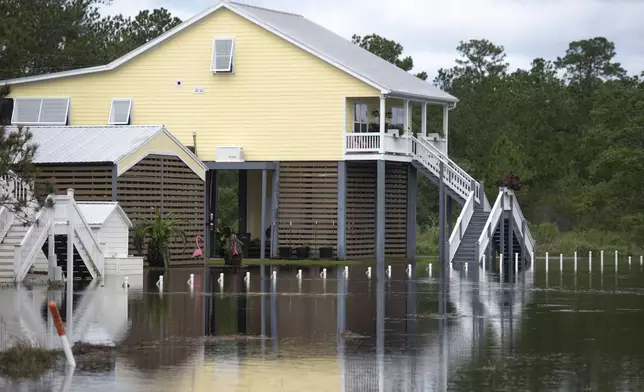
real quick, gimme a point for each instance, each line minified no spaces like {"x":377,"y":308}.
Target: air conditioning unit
{"x":229,"y":154}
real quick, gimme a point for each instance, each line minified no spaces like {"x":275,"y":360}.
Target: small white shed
{"x":111,"y":226}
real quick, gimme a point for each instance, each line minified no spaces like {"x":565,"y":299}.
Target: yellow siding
{"x":161,"y":144}
{"x":282,"y":104}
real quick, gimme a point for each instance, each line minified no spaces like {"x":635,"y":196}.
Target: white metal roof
{"x":305,"y":34}
{"x":96,"y":213}
{"x":83,"y":144}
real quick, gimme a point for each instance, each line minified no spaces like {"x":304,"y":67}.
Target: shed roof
{"x":97,"y":213}
{"x":83,"y":144}
{"x":309,"y":36}
{"x":98,"y":144}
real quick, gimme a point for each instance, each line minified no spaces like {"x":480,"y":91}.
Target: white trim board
{"x":123,"y":169}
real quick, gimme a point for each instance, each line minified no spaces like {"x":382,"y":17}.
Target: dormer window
{"x":223,"y":55}
{"x":40,"y":111}
{"x":120,"y":111}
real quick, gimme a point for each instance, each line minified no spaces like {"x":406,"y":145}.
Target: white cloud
{"x":431,"y":30}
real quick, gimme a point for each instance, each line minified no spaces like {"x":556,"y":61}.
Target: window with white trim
{"x":40,"y":111}
{"x":397,"y":116}
{"x":223,"y":55}
{"x":360,"y":117}
{"x":120,"y":111}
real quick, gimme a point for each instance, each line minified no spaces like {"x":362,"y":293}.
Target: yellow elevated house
{"x":318,"y":128}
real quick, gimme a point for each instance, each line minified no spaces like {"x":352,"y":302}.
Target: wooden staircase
{"x":479,"y":225}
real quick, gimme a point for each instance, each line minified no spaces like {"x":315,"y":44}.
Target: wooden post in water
{"x":616,"y":260}
{"x":547,"y":263}
{"x":575,"y":262}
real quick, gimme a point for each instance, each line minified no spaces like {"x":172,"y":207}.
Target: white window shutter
{"x":120,"y":111}
{"x":45,"y":111}
{"x":223,"y":52}
{"x":26,"y":110}
{"x":54,"y":111}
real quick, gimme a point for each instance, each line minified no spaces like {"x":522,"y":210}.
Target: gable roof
{"x":307,"y":35}
{"x":97,"y":213}
{"x":93,"y":144}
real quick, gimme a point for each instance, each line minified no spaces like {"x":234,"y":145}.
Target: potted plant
{"x":233,"y":250}
{"x":221,"y":236}
{"x":399,"y":127}
{"x":160,"y":230}
{"x":510,"y":181}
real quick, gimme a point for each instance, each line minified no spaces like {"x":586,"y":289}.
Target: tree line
{"x":571,"y":128}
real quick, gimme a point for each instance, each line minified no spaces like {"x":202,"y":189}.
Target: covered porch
{"x":366,"y":137}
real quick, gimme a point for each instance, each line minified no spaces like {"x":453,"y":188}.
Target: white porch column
{"x":406,"y":110}
{"x":383,"y":116}
{"x":446,"y":128}
{"x":424,"y":119}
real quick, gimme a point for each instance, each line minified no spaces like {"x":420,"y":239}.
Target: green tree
{"x":44,"y":36}
{"x":587,"y":60}
{"x":388,"y":50}
{"x":16,"y":163}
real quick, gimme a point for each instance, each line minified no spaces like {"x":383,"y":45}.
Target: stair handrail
{"x":448,"y":160}
{"x":26,"y":251}
{"x":522,"y":224}
{"x":6,"y":220}
{"x":452,"y":178}
{"x":460,"y":227}
{"x":490,"y":225}
{"x":452,"y":168}
{"x":88,"y":240}
{"x":13,"y":186}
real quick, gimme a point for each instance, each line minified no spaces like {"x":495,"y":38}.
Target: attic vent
{"x":223,"y":53}
{"x":120,"y":112}
{"x":35,"y":111}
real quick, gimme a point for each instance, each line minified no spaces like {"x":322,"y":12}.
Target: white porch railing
{"x":490,"y":226}
{"x":25,"y":253}
{"x":421,"y":150}
{"x":432,"y":159}
{"x":455,"y":167}
{"x":91,"y":251}
{"x":6,"y":220}
{"x":395,"y":144}
{"x":13,"y":189}
{"x":88,"y":241}
{"x":461,"y":225}
{"x":506,"y":201}
{"x":522,"y":226}
{"x":363,"y":142}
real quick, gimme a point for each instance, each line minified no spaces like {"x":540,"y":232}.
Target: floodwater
{"x":566,"y":331}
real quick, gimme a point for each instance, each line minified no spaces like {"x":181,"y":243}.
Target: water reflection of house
{"x":481,"y":311}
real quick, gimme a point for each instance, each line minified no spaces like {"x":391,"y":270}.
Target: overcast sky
{"x":431,"y":30}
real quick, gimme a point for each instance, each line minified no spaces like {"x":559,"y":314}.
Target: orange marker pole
{"x":53,"y":309}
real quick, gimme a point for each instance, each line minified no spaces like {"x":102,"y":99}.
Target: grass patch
{"x":24,"y":361}
{"x":550,"y":239}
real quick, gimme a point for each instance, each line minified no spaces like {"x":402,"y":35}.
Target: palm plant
{"x":161,"y":230}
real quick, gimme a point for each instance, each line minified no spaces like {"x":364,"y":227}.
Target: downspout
{"x":194,"y":141}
